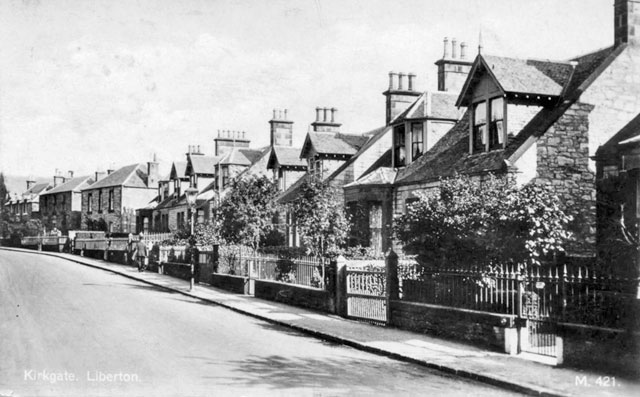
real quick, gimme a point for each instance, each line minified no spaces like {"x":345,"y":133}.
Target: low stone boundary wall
{"x":610,"y":350}
{"x":295,"y":295}
{"x":177,"y":270}
{"x":227,"y":282}
{"x":496,"y":331}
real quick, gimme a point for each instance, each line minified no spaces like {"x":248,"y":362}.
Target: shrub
{"x":468,"y":222}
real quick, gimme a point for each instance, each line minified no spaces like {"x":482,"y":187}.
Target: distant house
{"x":325,"y":151}
{"x":61,"y":206}
{"x":27,"y":205}
{"x":111,"y":201}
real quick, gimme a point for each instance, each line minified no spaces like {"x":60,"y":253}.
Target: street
{"x":67,"y":329}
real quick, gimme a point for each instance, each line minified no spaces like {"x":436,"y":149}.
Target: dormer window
{"x":488,"y":136}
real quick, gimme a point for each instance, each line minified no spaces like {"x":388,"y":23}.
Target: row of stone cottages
{"x":566,"y":124}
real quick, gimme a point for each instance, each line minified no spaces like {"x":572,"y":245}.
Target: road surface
{"x":71,"y":330}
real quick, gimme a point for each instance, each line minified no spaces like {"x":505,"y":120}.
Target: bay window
{"x":417,"y":141}
{"x":399,"y":146}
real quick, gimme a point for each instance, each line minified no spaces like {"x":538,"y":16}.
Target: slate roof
{"x":630,"y":133}
{"x":204,"y":164}
{"x":434,"y":105}
{"x":123,"y":177}
{"x":242,"y":156}
{"x":37,"y":188}
{"x":179,"y":170}
{"x":450,"y":155}
{"x":73,"y":185}
{"x":380,"y":176}
{"x":287,"y":157}
{"x":334,"y":143}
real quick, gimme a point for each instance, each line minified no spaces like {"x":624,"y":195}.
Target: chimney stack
{"x":281,"y":129}
{"x":100,"y":175}
{"x":153,"y":174}
{"x":326,"y":122}
{"x":58,"y":179}
{"x":70,"y":174}
{"x":30,"y":182}
{"x":626,"y":22}
{"x":454,"y":48}
{"x":453,"y":71}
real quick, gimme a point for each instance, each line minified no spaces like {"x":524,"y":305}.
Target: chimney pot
{"x":285,"y":114}
{"x":318,"y":114}
{"x":70,"y":173}
{"x":333,"y":114}
{"x":326,"y":111}
{"x":463,"y":50}
{"x":274,"y":114}
{"x":198,"y":149}
{"x":391,"y":80}
{"x":446,"y":48}
{"x":401,"y":81}
{"x":454,"y":48}
{"x":412,"y":76}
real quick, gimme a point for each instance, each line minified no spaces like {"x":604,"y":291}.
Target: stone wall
{"x":227,"y":282}
{"x":563,"y":164}
{"x":295,"y":295}
{"x":611,"y":351}
{"x":494,"y":331}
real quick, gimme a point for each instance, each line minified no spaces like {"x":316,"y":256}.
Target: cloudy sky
{"x":87,"y":84}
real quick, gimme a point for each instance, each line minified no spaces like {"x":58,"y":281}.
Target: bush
{"x":469,"y":222}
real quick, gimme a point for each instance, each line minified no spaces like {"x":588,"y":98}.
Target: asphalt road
{"x":70,"y":330}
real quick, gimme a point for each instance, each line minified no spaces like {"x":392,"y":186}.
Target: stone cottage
{"x":538,"y":121}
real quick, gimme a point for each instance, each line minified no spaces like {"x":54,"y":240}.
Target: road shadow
{"x":331,"y":375}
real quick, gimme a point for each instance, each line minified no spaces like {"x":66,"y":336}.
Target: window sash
{"x":417,"y":139}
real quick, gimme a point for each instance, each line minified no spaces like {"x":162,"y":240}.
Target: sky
{"x":90,"y":85}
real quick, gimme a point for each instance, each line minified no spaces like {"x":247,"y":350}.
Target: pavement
{"x":498,"y":369}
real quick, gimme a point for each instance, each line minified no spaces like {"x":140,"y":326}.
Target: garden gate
{"x":367,"y":294}
{"x":539,"y":300}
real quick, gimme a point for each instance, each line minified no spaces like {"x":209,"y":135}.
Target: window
{"x":479,"y":127}
{"x":375,"y":226}
{"x":99,"y":201}
{"x":225,"y":177}
{"x":281,"y":179}
{"x":399,"y":146}
{"x":89,"y":203}
{"x":417,"y":137}
{"x":496,"y":125}
{"x":111,"y":201}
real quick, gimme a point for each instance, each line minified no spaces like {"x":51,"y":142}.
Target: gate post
{"x":393,"y":283}
{"x":341,"y":286}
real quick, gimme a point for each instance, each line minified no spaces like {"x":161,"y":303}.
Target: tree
{"x":245,"y":215}
{"x":4,"y":213}
{"x":468,"y":222}
{"x":320,"y":217}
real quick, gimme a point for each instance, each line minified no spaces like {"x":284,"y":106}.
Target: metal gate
{"x":538,"y":303}
{"x":367,"y":295}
